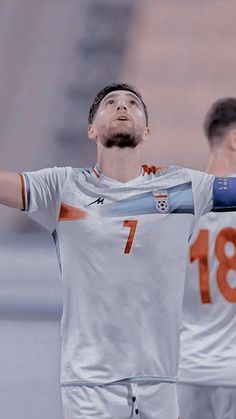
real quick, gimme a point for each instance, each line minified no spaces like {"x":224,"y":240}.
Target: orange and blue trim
{"x":25,"y":190}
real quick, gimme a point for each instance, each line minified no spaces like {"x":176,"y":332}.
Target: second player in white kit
{"x":208,"y":339}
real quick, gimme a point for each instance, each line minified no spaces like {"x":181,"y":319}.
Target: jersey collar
{"x":97,"y":173}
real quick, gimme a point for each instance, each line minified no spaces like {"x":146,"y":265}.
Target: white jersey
{"x":123,"y":249}
{"x":208,"y":336}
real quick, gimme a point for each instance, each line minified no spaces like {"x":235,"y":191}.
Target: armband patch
{"x":224,"y":194}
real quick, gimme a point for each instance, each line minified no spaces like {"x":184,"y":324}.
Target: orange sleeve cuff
{"x":23,"y":192}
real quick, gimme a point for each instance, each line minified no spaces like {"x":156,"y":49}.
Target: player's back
{"x":208,"y":336}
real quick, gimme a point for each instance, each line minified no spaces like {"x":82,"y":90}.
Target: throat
{"x":119,"y":164}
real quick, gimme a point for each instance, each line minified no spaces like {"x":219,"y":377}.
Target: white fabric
{"x":208,"y":337}
{"x":121,"y":401}
{"x":121,"y":308}
{"x":206,"y":402}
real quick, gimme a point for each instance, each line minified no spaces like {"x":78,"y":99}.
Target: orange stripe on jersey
{"x":160,"y":196}
{"x":68,"y":213}
{"x":23,"y":191}
{"x":150,"y":169}
{"x":96,"y":173}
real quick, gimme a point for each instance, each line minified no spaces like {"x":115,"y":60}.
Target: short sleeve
{"x":202,"y":184}
{"x":42,"y":194}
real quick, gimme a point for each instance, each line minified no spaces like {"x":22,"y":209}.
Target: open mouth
{"x":122,"y":118}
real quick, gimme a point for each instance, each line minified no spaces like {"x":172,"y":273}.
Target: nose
{"x":121,"y":105}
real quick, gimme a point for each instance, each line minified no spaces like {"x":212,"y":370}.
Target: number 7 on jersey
{"x":132,"y":224}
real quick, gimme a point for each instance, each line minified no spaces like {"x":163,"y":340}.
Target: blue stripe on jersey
{"x":224,"y":194}
{"x":57,"y":246}
{"x":179,"y":200}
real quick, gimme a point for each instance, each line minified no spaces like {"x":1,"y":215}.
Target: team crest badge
{"x":161,"y":201}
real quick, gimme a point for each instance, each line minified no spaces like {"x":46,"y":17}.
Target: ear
{"x":91,"y":132}
{"x":146,"y":134}
{"x":231,"y":140}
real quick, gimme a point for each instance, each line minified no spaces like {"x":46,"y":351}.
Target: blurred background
{"x":54,"y":57}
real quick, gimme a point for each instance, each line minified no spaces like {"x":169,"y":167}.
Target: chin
{"x":121,"y":140}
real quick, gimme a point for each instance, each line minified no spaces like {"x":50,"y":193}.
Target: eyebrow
{"x":134,"y":96}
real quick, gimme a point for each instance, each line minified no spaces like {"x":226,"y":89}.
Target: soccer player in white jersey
{"x":121,"y":234}
{"x":208,"y":339}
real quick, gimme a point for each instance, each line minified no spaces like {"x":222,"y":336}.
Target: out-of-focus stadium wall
{"x":30,"y":309}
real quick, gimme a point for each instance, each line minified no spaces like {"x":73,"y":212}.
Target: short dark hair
{"x":110,"y":88}
{"x":218,"y":119}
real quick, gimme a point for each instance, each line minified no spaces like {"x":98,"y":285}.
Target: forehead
{"x":121,"y":94}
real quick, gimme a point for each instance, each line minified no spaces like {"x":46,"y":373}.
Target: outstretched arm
{"x":11,"y":190}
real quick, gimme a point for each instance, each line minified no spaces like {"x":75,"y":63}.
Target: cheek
{"x":101,"y":113}
{"x":139,"y":113}
{"x":101,"y":124}
{"x":102,"y":119}
{"x":140,"y":118}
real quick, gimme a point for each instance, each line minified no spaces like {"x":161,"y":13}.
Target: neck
{"x":119,"y":164}
{"x":222,"y":162}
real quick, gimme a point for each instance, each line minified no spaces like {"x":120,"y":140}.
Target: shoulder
{"x":62,"y":174}
{"x":172,"y":174}
{"x":159,"y":170}
{"x":198,"y":176}
{"x":67,"y":172}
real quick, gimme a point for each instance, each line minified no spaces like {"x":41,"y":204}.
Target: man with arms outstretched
{"x":207,"y":388}
{"x":121,"y":234}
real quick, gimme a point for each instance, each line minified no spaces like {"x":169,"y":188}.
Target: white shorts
{"x":121,"y":401}
{"x":206,"y":402}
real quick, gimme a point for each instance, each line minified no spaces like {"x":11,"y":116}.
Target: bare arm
{"x":11,"y":190}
